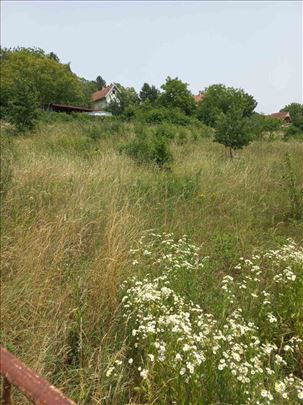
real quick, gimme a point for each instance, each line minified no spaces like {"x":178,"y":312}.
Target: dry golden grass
{"x":71,"y":214}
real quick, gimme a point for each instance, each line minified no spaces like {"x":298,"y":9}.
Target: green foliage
{"x":165,"y":131}
{"x":151,"y":115}
{"x":295,"y":130}
{"x":260,"y":125}
{"x":88,"y":88}
{"x":54,"y":82}
{"x":177,"y":96}
{"x":53,"y":56}
{"x":149,"y":147}
{"x":23,"y":107}
{"x":157,"y":115}
{"x":298,"y":122}
{"x":148,"y":93}
{"x":295,"y":110}
{"x":232,"y":130}
{"x":126,"y":100}
{"x":220,"y":99}
{"x":100,"y":83}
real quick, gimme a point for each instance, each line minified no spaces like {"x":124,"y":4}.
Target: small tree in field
{"x":232,"y":130}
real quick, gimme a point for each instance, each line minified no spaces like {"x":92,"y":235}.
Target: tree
{"x":100,"y":82}
{"x":260,"y":124}
{"x":53,"y":81}
{"x":149,"y":93}
{"x":88,"y":88}
{"x":295,"y":110}
{"x":53,"y":56}
{"x":176,"y":95}
{"x":219,"y":99}
{"x":232,"y":130}
{"x":23,"y":107}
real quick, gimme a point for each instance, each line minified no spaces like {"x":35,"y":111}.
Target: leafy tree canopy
{"x":294,"y":109}
{"x":232,"y":130}
{"x":260,"y":124}
{"x":100,"y":83}
{"x":176,"y":95}
{"x":220,"y":99}
{"x":149,"y":93}
{"x":88,"y":88}
{"x":52,"y":80}
{"x":23,"y":108}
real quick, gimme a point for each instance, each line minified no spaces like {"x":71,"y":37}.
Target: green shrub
{"x":148,"y":147}
{"x":166,"y":131}
{"x":158,"y":115}
{"x":23,"y":110}
{"x":293,"y":132}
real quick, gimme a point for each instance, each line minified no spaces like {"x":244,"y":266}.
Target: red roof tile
{"x":281,"y":115}
{"x":199,"y":97}
{"x":98,"y":95}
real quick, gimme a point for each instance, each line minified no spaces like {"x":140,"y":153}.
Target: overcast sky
{"x":253,"y":45}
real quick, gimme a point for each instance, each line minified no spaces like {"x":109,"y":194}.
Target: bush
{"x":148,"y":147}
{"x":23,"y":108}
{"x":293,"y":132}
{"x":158,"y":115}
{"x":165,"y":131}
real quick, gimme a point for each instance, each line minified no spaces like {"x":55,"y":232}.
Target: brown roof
{"x":281,"y":115}
{"x":68,"y":108}
{"x":98,"y":95}
{"x":199,"y":97}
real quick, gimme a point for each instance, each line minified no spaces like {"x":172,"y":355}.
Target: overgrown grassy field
{"x":110,"y":317}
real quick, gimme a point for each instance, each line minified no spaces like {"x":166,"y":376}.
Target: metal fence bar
{"x":34,"y":387}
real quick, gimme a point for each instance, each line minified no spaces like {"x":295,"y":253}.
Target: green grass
{"x":72,"y":208}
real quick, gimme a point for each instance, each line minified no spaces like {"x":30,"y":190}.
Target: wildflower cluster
{"x":179,"y":353}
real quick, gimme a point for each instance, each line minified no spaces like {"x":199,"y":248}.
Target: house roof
{"x":281,"y":115}
{"x":69,"y":108}
{"x":100,"y":94}
{"x":199,"y":97}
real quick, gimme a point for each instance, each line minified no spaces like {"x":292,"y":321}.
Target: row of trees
{"x":230,"y":111}
{"x":31,"y":78}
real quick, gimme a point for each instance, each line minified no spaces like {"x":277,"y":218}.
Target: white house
{"x":102,"y":98}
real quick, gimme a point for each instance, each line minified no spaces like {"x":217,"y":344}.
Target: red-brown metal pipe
{"x":34,"y":387}
{"x":6,"y":393}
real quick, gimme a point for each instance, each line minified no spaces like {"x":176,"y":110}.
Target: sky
{"x":256,"y":46}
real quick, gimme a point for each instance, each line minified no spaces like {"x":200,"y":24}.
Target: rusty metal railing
{"x":34,"y":387}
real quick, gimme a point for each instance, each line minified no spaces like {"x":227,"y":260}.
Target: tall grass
{"x":74,"y":207}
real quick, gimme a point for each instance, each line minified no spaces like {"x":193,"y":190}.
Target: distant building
{"x":102,"y":98}
{"x":76,"y":109}
{"x":67,"y":108}
{"x":199,"y":97}
{"x":282,"y":116}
